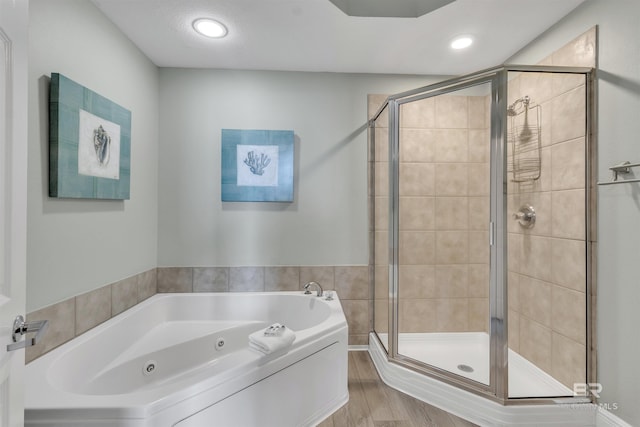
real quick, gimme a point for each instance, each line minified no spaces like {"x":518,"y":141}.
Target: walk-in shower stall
{"x":481,"y":223}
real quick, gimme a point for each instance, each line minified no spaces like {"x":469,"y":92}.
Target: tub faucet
{"x":316,"y":284}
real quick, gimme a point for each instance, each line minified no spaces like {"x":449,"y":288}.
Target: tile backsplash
{"x":74,"y":316}
{"x":350,"y":282}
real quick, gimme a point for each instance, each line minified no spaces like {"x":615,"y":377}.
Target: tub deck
{"x":161,"y":363}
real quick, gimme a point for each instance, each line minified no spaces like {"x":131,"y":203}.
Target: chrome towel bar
{"x":622,"y":168}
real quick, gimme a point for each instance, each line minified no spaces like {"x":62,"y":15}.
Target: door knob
{"x":21,"y":328}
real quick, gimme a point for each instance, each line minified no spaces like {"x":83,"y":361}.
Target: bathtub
{"x":183,"y":360}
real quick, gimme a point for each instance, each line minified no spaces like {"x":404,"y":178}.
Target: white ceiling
{"x":314,"y":35}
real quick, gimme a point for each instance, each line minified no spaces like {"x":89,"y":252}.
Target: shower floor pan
{"x":467,"y":354}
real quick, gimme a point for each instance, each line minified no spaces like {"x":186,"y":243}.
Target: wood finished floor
{"x":372,"y":403}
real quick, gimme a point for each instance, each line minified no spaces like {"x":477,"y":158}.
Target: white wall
{"x":78,"y":245}
{"x":618,"y":266}
{"x":327,"y":222}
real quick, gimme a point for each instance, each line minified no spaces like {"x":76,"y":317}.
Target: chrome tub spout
{"x":317,"y":285}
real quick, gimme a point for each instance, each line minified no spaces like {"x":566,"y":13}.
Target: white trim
{"x":475,"y":408}
{"x":359,"y":347}
{"x":606,"y":418}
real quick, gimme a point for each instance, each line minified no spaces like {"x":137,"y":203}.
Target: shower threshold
{"x":467,"y":354}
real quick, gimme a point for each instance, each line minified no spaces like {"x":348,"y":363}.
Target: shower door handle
{"x":492,"y":232}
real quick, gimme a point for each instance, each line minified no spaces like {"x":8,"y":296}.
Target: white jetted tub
{"x":184,"y":360}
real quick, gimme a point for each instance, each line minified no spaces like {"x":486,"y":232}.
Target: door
{"x":13,"y":204}
{"x":443,"y":218}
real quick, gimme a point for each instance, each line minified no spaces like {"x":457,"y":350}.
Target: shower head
{"x":519,"y":105}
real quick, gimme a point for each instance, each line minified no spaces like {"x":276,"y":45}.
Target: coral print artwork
{"x":257,"y":165}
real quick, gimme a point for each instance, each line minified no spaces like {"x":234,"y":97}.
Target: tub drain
{"x":149,"y":367}
{"x":465,"y":368}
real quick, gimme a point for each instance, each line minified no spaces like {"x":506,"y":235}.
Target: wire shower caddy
{"x":524,"y":140}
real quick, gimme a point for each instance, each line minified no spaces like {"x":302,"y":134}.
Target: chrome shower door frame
{"x":494,"y":77}
{"x":497,"y":389}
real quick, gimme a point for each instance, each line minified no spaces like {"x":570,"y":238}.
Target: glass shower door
{"x":379,"y":209}
{"x":443,"y":215}
{"x":547,"y":255}
{"x":483,"y":231}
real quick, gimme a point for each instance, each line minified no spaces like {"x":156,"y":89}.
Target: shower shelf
{"x":622,"y":168}
{"x":524,"y":137}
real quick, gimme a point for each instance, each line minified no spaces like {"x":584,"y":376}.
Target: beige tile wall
{"x":350,"y":282}
{"x":547,"y":264}
{"x":74,"y":316}
{"x":444,"y":213}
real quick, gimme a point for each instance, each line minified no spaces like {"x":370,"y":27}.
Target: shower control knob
{"x":526,"y":216}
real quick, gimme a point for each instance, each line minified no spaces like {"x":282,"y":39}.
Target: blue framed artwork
{"x":257,"y":165}
{"x":89,"y":143}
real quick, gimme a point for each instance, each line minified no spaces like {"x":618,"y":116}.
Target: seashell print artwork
{"x":89,"y":143}
{"x":102,"y":144}
{"x":98,"y":146}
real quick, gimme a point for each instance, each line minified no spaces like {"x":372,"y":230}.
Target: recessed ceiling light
{"x":461,"y":42}
{"x":210,"y":28}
